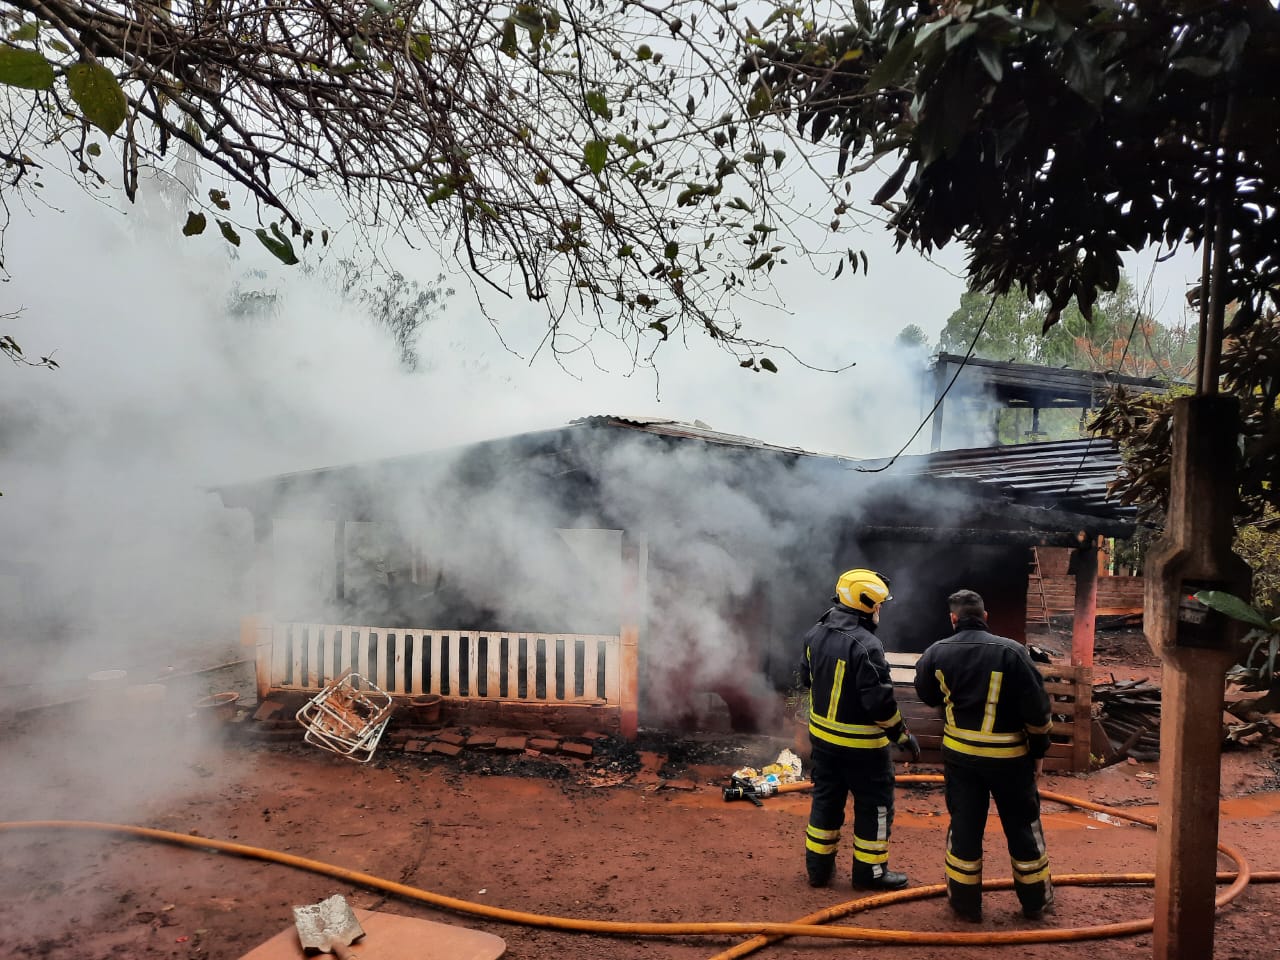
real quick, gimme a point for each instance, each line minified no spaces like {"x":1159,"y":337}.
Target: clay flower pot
{"x":426,"y":708}
{"x":218,"y":707}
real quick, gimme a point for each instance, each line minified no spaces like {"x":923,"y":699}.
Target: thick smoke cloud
{"x":118,"y":556}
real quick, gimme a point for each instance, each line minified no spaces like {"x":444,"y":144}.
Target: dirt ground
{"x":638,"y":832}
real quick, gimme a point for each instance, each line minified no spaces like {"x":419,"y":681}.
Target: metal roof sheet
{"x":1071,"y":474}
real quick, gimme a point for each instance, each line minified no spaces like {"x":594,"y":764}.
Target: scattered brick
{"x":481,"y":741}
{"x":451,"y":737}
{"x":685,"y":785}
{"x":580,"y":750}
{"x":448,"y":749}
{"x":512,"y":744}
{"x":593,"y":735}
{"x":543,"y":745}
{"x":268,"y":709}
{"x":415,"y":746}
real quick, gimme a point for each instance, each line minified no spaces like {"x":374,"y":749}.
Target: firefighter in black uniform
{"x":853,"y":719}
{"x":996,"y":729}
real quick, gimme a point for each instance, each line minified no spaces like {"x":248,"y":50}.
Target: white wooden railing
{"x":461,"y":664}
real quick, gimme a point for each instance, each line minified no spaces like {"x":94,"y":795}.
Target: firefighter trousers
{"x":970,"y":789}
{"x":867,"y":773}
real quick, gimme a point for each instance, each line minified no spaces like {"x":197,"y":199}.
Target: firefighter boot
{"x":886,"y":880}
{"x":820,"y":867}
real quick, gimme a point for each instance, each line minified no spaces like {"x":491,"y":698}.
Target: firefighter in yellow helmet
{"x":853,"y":719}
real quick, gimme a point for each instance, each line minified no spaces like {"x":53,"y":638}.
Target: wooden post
{"x":1086,"y":605}
{"x":939,"y":385}
{"x":634,"y":571}
{"x":1082,"y":719}
{"x":1197,"y":647}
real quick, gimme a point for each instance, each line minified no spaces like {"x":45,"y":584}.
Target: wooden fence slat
{"x":295,"y":655}
{"x":590,"y":681}
{"x":493,"y":669}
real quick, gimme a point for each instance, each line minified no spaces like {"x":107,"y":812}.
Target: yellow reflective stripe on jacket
{"x":892,"y":721}
{"x":993,"y":697}
{"x":836,"y":686}
{"x":946,"y":696}
{"x":847,"y":734}
{"x":980,"y":736}
{"x":1002,"y":753}
{"x":979,"y":744}
{"x":1045,"y":729}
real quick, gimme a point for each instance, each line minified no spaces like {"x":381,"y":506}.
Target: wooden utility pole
{"x":1196,"y":645}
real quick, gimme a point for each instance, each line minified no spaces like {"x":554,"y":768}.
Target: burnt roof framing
{"x":1029,"y":494}
{"x":1028,"y":386}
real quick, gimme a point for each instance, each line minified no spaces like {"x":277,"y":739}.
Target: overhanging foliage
{"x":1051,"y":138}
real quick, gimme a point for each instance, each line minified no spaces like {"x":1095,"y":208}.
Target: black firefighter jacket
{"x":995,"y":705}
{"x":851,"y":702}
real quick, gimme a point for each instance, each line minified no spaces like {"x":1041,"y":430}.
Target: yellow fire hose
{"x":765,"y":932}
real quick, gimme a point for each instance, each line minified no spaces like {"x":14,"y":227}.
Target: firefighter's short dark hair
{"x":967,"y":603}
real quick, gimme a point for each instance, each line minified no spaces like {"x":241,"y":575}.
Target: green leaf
{"x":660,"y":327}
{"x":420,"y":46}
{"x":644,"y":52}
{"x":991,"y":62}
{"x":219,"y":200}
{"x":509,"y":42}
{"x":1233,"y":607}
{"x":59,"y":46}
{"x":596,"y":154}
{"x":761,"y":100}
{"x":98,"y":94}
{"x":889,"y":70}
{"x":440,"y":193}
{"x":94,"y":149}
{"x":25,"y":68}
{"x":28,"y":31}
{"x":196,"y":222}
{"x":229,"y":232}
{"x":767,"y":364}
{"x":279,"y":245}
{"x":672,"y":250}
{"x":760,"y":261}
{"x":598,"y":104}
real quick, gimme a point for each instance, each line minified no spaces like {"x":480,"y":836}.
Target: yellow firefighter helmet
{"x":862,"y":590}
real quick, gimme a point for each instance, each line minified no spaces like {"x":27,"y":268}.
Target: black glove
{"x":908,"y":744}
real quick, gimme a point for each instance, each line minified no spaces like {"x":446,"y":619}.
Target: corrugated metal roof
{"x":1069,"y":474}
{"x":1065,"y":474}
{"x":665,"y":427}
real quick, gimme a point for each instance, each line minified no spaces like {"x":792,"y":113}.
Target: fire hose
{"x":764,"y":932}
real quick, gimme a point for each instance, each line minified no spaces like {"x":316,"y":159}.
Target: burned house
{"x":616,"y":571}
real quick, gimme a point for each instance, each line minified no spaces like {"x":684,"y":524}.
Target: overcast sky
{"x":135,"y":310}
